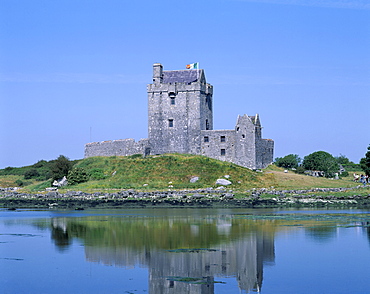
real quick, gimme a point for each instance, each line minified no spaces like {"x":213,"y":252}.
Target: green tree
{"x":77,"y":175}
{"x":321,"y":161}
{"x":342,"y":159}
{"x":60,"y":167}
{"x":365,"y":162}
{"x":289,"y":161}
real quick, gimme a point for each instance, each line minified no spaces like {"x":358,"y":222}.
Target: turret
{"x":157,"y":73}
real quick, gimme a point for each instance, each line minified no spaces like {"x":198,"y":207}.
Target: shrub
{"x":300,"y":170}
{"x":96,"y":174}
{"x":19,"y":183}
{"x":31,"y":174}
{"x":344,"y":174}
{"x":77,"y":175}
{"x":136,"y":156}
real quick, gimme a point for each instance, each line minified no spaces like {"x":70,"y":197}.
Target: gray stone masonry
{"x":117,"y":147}
{"x":180,"y":120}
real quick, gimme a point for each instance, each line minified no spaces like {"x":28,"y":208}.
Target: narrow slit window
{"x":223,"y":139}
{"x":223,"y":152}
{"x":172,"y":96}
{"x":170,"y":123}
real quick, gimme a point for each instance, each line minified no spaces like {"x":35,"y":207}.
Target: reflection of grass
{"x":314,"y":220}
{"x":179,"y":235}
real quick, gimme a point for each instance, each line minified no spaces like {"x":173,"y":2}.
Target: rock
{"x":194,"y":179}
{"x":51,"y":188}
{"x":52,"y":194}
{"x":223,"y":182}
{"x":197,"y":196}
{"x":228,"y":196}
{"x":226,"y":176}
{"x":220,"y":188}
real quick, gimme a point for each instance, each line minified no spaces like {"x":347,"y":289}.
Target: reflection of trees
{"x":322,"y":233}
{"x":231,"y":246}
{"x":226,"y":246}
{"x":163,"y":233}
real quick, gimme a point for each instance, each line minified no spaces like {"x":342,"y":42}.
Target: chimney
{"x":157,"y":73}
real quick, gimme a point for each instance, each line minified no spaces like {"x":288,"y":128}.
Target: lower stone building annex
{"x":180,"y":120}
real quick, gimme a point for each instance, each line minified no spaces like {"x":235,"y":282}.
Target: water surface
{"x":162,"y":251}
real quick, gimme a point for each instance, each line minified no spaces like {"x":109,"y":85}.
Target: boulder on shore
{"x":223,"y":182}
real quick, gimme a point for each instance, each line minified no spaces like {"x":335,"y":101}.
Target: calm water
{"x":178,"y":251}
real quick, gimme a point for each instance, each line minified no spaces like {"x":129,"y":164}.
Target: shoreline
{"x":201,"y":198}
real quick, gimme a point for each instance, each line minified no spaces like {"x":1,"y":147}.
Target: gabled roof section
{"x":255,"y":120}
{"x":182,"y":76}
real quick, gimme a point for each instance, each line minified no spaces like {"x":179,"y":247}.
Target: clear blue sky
{"x":72,"y":71}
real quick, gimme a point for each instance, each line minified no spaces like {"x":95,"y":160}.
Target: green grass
{"x":162,"y":172}
{"x":173,"y":171}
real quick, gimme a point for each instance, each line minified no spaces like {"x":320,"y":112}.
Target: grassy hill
{"x":172,"y":171}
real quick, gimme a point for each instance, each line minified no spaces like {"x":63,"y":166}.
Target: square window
{"x":170,"y":123}
{"x":223,"y":139}
{"x":223,"y":152}
{"x":206,"y":139}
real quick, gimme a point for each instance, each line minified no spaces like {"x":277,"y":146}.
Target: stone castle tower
{"x":180,"y":120}
{"x":180,"y":107}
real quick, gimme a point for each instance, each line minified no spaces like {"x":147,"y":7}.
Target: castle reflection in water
{"x":240,"y":252}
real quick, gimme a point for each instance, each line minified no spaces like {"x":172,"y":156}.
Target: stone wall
{"x":178,"y":109}
{"x":266,"y":151}
{"x":117,"y":147}
{"x":218,"y":144}
{"x":245,"y":142}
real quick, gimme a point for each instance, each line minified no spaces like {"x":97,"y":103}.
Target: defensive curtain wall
{"x":121,"y":147}
{"x":180,"y":120}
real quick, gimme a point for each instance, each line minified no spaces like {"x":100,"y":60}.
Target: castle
{"x":180,"y":120}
